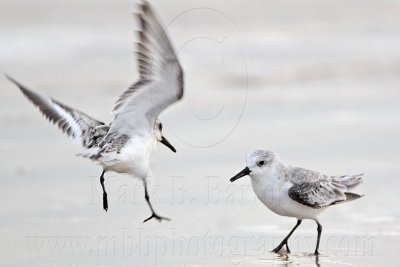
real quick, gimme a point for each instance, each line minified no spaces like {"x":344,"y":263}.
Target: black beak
{"x":244,"y":172}
{"x":165,"y":142}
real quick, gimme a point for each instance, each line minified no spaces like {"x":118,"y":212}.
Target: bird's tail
{"x":93,"y":155}
{"x":350,"y":196}
{"x":350,"y":181}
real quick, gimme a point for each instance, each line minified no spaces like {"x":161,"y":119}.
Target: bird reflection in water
{"x":288,"y":259}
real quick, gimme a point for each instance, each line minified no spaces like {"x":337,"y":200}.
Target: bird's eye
{"x":260,"y":163}
{"x":160,"y":126}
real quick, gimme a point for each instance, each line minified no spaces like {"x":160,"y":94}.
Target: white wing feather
{"x":160,"y":83}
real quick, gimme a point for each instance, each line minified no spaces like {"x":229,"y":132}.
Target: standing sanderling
{"x":127,"y":143}
{"x":296,"y":192}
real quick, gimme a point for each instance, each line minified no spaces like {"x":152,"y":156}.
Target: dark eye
{"x":160,"y":126}
{"x":260,"y":163}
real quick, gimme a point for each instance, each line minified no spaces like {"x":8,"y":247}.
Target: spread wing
{"x":160,"y":83}
{"x":314,"y":189}
{"x":76,"y":124}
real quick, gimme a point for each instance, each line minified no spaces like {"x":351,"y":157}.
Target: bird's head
{"x":160,"y":137}
{"x":257,"y":163}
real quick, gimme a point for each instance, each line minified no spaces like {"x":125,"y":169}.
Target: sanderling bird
{"x":296,"y":192}
{"x":126,"y":144}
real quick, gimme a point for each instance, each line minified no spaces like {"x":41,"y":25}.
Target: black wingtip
{"x":10,"y":78}
{"x":19,"y":85}
{"x":146,"y":7}
{"x":141,"y":4}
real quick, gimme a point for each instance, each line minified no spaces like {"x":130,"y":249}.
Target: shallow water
{"x":316,"y":82}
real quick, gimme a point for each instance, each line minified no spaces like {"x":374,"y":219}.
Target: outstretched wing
{"x":76,"y":124}
{"x":314,"y":189}
{"x":160,"y":83}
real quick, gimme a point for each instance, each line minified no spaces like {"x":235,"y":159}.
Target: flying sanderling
{"x":126,"y":144}
{"x":296,"y":192}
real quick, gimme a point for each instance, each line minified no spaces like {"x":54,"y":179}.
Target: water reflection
{"x":302,"y":259}
{"x":275,"y":259}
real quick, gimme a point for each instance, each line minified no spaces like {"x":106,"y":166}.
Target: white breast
{"x":134,"y":157}
{"x":273,"y":193}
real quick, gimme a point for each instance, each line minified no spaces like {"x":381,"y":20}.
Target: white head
{"x":160,"y":138}
{"x":257,"y":163}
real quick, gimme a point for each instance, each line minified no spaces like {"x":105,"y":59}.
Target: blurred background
{"x":317,"y":82}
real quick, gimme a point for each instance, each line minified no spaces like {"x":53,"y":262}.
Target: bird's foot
{"x":316,"y":253}
{"x":287,"y":248}
{"x":105,"y":202}
{"x":279,"y":247}
{"x":157,"y":217}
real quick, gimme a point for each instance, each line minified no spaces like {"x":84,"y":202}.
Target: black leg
{"x":105,"y":201}
{"x":154,"y":214}
{"x":285,"y":240}
{"x":319,"y":229}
